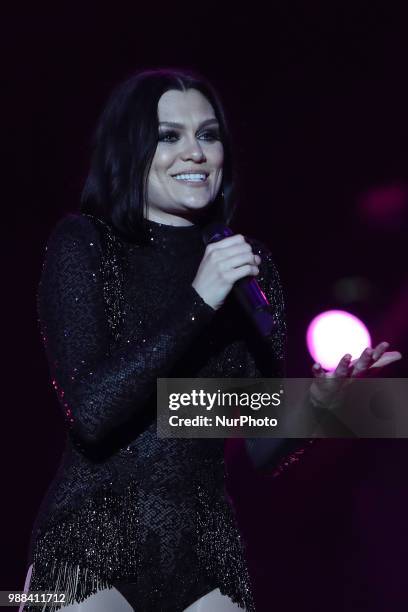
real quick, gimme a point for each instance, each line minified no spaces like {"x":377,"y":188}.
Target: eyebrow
{"x":180,"y":125}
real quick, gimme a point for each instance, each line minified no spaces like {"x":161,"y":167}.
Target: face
{"x":191,"y":146}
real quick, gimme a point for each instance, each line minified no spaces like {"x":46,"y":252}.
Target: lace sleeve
{"x":267,"y":359}
{"x":99,"y":391}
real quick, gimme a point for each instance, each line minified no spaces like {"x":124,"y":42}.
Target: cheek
{"x":162,"y":161}
{"x":217,"y":156}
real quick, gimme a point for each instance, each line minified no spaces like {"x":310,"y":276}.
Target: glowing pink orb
{"x":334,"y":333}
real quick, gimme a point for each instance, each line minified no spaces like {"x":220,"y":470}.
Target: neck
{"x":176,"y":220}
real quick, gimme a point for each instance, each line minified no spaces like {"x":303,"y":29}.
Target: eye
{"x":164,"y":135}
{"x":169,"y":136}
{"x":212,"y":134}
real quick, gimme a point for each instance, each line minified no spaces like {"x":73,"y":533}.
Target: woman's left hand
{"x":327,"y":385}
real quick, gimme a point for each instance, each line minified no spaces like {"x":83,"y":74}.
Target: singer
{"x":130,"y":292}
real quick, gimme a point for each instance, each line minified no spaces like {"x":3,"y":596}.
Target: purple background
{"x":316,"y":97}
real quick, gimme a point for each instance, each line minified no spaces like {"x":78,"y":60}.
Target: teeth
{"x":190,"y":177}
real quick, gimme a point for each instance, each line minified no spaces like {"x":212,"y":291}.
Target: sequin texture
{"x":125,"y":506}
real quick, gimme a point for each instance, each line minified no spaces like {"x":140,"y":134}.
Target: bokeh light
{"x":332,"y":334}
{"x":353,"y":289}
{"x":385,"y":205}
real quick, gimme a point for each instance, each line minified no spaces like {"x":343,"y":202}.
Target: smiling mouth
{"x":191,"y":178}
{"x":192,"y":182}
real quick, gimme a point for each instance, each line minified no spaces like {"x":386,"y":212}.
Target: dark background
{"x":316,"y":97}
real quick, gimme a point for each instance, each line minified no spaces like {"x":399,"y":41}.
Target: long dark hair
{"x":124,"y":144}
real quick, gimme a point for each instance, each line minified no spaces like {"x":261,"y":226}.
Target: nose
{"x":193,"y":151}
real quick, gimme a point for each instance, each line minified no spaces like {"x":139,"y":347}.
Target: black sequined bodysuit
{"x":125,"y":507}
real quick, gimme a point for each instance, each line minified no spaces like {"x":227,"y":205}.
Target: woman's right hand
{"x":224,"y":262}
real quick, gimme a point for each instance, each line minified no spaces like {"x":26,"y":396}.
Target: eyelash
{"x":213,"y":133}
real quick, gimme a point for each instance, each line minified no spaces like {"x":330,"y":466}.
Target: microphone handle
{"x":254,"y":302}
{"x":247,"y":290}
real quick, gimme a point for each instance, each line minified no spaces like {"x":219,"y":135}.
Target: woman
{"x":129,"y":293}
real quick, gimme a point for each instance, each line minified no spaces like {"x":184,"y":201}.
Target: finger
{"x":343,"y":366}
{"x":363,"y":362}
{"x":229,"y":241}
{"x":380,"y":350}
{"x":237,"y":273}
{"x":238,"y":260}
{"x":387,"y":358}
{"x":317,"y":370}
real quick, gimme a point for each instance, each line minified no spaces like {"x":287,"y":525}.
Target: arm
{"x":98,"y":391}
{"x":266,"y":359}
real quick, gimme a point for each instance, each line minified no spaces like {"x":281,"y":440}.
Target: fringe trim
{"x":76,"y":582}
{"x":90,"y":549}
{"x":104,"y":541}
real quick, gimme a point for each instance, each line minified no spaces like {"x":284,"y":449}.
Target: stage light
{"x":334,"y":333}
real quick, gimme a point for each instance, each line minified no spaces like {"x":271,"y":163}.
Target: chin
{"x":197,"y":205}
{"x":202,"y":211}
{"x":198,"y":208}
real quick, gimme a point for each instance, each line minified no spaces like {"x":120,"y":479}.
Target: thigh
{"x":26,"y":587}
{"x":214,"y":601}
{"x":105,"y":600}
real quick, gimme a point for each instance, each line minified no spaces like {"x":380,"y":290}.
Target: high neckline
{"x":164,"y":227}
{"x":177,"y":238}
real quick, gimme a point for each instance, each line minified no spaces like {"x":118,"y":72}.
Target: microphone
{"x":246,"y":290}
